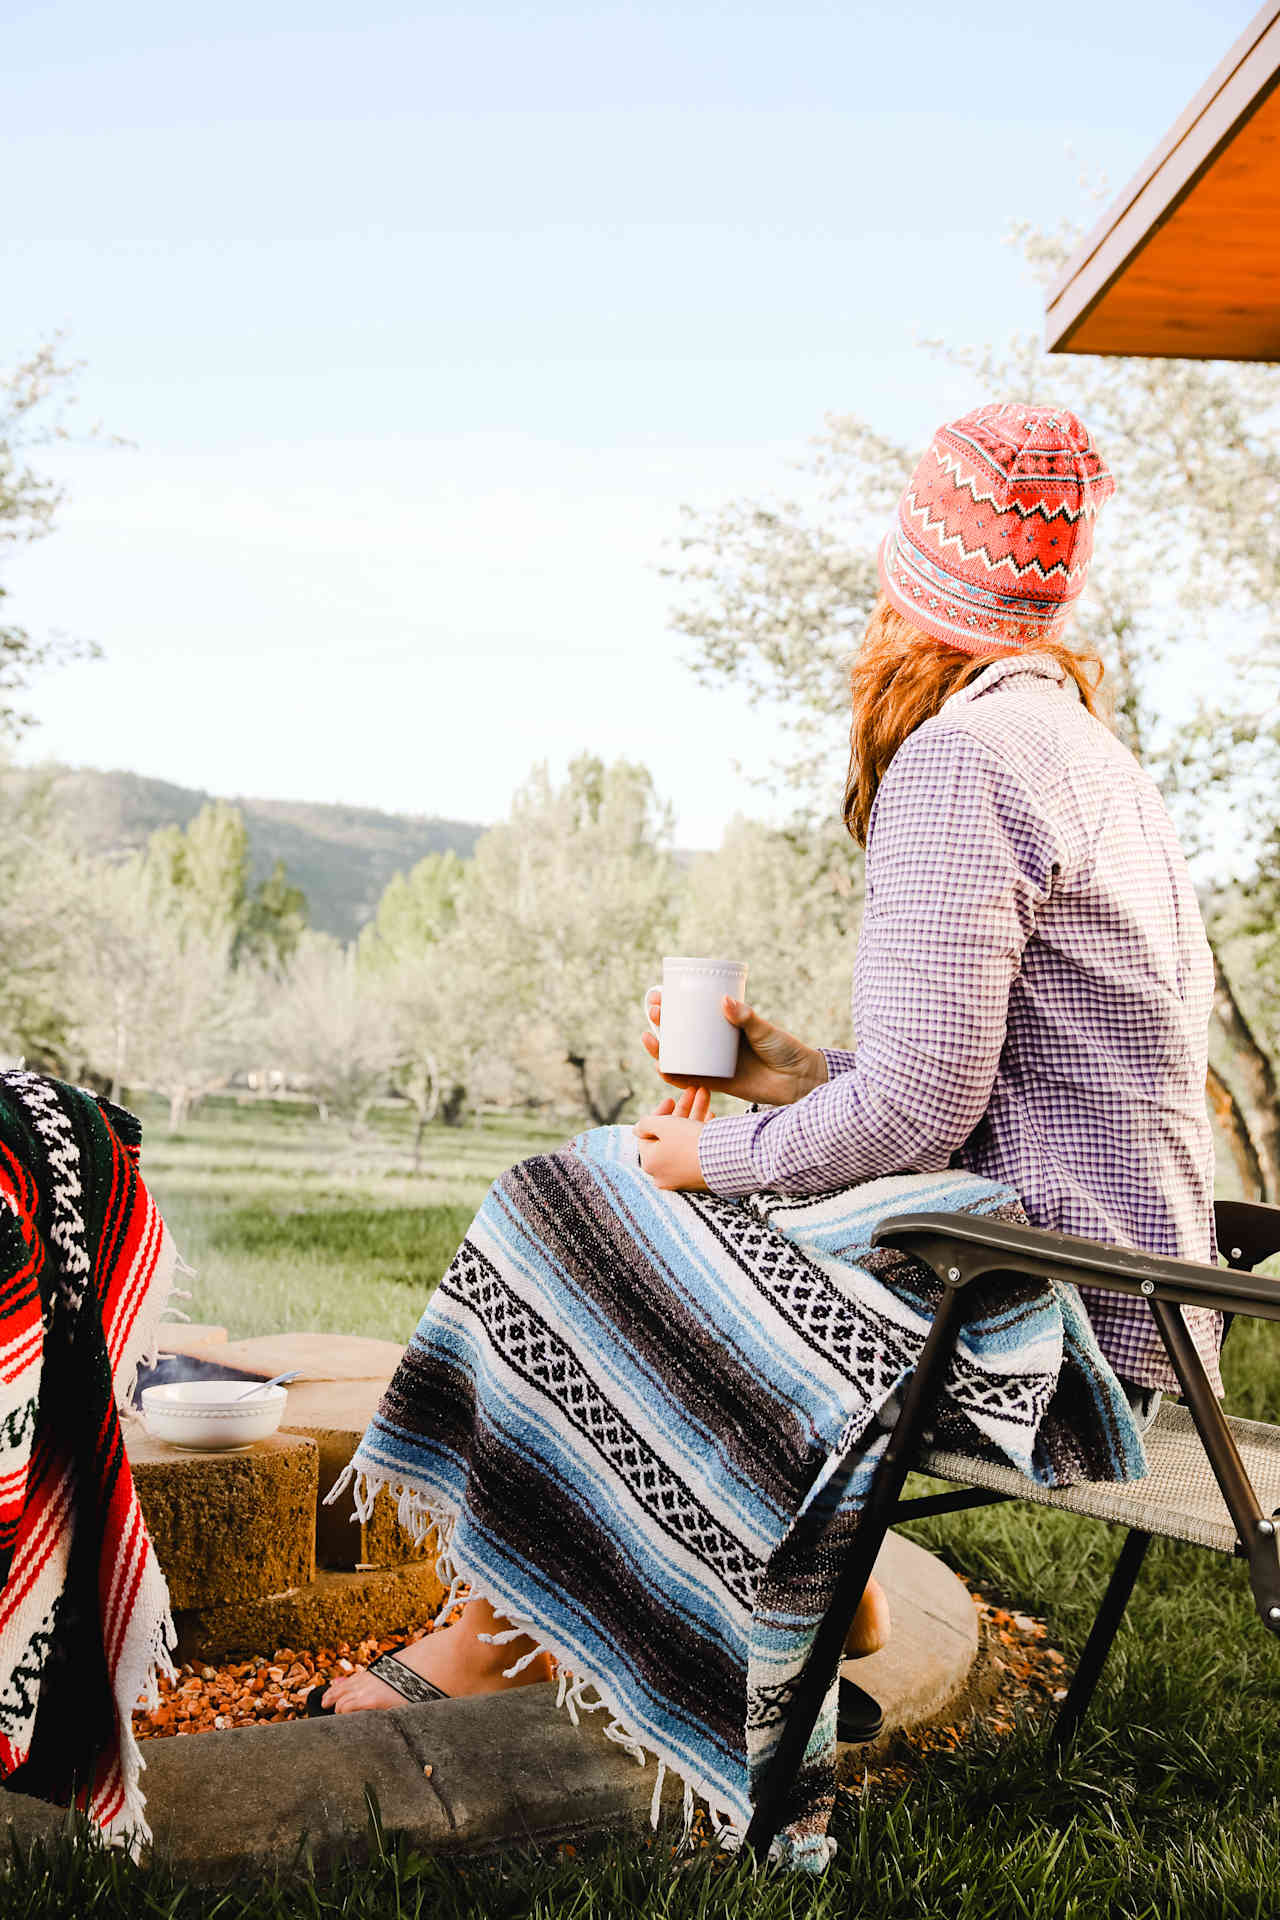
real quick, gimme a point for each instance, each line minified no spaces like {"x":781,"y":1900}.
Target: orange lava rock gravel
{"x":254,"y":1692}
{"x":1027,"y":1674}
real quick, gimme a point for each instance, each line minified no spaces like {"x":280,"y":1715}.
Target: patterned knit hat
{"x":992,"y":540}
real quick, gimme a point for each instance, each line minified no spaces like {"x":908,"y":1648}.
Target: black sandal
{"x":858,"y":1716}
{"x":393,"y":1673}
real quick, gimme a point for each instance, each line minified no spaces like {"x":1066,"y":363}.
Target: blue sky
{"x":422,"y":327}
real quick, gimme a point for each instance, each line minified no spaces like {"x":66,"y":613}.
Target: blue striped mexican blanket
{"x":621,"y":1402}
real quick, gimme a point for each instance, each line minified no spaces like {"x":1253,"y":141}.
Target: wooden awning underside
{"x":1187,"y":260}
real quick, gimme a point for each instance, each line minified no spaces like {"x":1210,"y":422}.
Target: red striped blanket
{"x":86,"y":1265}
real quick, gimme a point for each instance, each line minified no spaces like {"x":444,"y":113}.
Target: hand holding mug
{"x":773,"y":1067}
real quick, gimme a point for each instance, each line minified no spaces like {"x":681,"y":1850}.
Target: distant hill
{"x":341,"y":857}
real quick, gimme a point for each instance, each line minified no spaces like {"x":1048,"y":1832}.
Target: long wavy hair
{"x":900,"y":678}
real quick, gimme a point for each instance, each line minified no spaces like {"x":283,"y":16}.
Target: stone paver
{"x":190,"y":1336}
{"x":325,"y":1356}
{"x":24,"y":1821}
{"x":228,"y":1527}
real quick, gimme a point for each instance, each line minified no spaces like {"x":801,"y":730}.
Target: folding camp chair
{"x":1213,"y":1481}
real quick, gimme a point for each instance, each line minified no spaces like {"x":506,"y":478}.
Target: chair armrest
{"x":1248,"y":1232}
{"x":961,"y":1247}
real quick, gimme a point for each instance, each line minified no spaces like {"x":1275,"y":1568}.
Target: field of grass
{"x":294,"y":1226}
{"x":1168,"y":1808}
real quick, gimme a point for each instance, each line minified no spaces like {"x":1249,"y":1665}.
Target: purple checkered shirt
{"x":1031,"y":998}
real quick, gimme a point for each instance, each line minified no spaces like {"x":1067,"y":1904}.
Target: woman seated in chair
{"x":623,"y":1394}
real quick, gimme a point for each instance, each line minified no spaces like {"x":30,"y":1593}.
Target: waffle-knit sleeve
{"x":960,"y":860}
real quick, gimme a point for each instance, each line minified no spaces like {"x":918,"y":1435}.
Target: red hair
{"x":900,"y":678}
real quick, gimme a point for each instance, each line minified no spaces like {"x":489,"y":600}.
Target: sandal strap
{"x":404,"y":1681}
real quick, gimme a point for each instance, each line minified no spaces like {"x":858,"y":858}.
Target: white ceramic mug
{"x":694,"y":1039}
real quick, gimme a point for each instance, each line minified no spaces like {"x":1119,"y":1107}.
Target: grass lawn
{"x":293,"y":1226}
{"x":1169,"y":1805}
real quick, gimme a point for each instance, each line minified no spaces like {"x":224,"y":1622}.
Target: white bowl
{"x":207,"y":1415}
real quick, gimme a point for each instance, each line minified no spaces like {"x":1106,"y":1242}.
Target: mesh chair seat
{"x":1178,"y":1497}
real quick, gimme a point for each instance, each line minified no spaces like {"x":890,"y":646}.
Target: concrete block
{"x":343,"y":1540}
{"x":229,"y":1527}
{"x":340,"y":1405}
{"x":332,"y":1607}
{"x":334,"y":1414}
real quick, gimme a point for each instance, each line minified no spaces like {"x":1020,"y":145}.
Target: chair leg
{"x":1109,"y":1615}
{"x":918,"y":1402}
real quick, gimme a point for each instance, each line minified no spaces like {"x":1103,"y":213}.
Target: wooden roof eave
{"x":1240,"y":84}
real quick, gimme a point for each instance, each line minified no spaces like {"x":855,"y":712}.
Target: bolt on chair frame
{"x":961,"y":1249}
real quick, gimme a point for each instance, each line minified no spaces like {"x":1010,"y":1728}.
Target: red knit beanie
{"x":991,"y":544}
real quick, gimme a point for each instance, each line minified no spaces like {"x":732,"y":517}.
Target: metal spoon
{"x":262,"y":1385}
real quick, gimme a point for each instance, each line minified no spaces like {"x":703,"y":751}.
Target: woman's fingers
{"x":754,"y":1028}
{"x":679,"y":1080}
{"x":694,"y":1104}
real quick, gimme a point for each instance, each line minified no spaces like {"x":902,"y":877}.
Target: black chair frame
{"x":962,"y":1249}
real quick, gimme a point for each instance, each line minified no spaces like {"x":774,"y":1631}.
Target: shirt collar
{"x":1015,"y":666}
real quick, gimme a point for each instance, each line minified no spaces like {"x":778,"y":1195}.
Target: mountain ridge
{"x":341,"y":856}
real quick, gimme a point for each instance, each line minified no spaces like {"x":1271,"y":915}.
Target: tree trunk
{"x":119,"y":1061}
{"x":1226,"y":1111}
{"x":1256,"y":1090}
{"x":610,"y":1114}
{"x":452,"y":1104}
{"x":179,"y":1101}
{"x":428,"y":1106}
{"x":603,"y":1116}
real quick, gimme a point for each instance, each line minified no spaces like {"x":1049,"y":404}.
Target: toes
{"x":361,"y":1692}
{"x":340,"y":1688}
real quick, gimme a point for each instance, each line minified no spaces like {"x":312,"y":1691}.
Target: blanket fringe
{"x":137,"y":1678}
{"x":142,"y":1349}
{"x":140,"y":1683}
{"x":420,"y":1516}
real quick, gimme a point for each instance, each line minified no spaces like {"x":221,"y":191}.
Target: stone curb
{"x":505,"y":1771}
{"x":925,"y":1670}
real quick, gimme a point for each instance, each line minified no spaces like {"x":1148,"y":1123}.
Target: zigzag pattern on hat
{"x":941,"y":535}
{"x":952,"y":465}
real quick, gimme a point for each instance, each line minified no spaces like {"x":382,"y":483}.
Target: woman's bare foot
{"x":871,"y":1623}
{"x":453,"y":1659}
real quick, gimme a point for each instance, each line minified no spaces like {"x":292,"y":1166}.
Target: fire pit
{"x":254,"y":1558}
